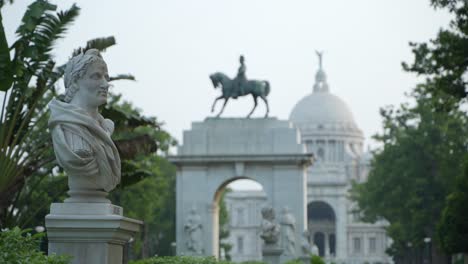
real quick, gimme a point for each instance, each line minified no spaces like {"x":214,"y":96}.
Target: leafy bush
{"x":316,"y":260}
{"x":180,"y":260}
{"x":294,"y":261}
{"x":188,"y":260}
{"x":20,"y":247}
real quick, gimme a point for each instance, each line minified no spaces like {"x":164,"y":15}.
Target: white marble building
{"x":244,"y":222}
{"x":328,"y":130}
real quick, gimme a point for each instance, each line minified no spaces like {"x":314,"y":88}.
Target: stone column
{"x":213,"y":212}
{"x":341,"y":233}
{"x":272,"y":254}
{"x":92,"y":233}
{"x":327,"y":245}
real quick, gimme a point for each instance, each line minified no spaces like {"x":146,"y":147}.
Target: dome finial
{"x":319,"y":54}
{"x":320,"y":77}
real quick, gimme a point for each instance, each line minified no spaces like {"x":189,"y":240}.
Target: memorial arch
{"x":239,"y":214}
{"x":216,"y":152}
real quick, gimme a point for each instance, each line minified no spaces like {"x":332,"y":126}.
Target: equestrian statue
{"x":239,"y":86}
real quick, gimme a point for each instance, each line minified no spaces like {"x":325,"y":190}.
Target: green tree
{"x":423,"y":145}
{"x":19,"y":246}
{"x":224,"y":224}
{"x":414,"y":171}
{"x":453,"y":225}
{"x":153,"y":201}
{"x":444,"y":62}
{"x":27,"y":77}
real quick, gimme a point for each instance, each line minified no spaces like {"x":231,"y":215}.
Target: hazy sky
{"x":172,"y":46}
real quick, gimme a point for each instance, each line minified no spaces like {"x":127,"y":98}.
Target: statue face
{"x":94,"y":86}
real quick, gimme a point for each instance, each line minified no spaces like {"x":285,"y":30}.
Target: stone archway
{"x":243,"y":220}
{"x":218,"y":151}
{"x":321,"y":223}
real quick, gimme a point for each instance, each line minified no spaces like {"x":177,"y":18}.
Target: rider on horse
{"x":240,"y":80}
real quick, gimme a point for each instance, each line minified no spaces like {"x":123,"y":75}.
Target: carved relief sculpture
{"x":288,"y":232}
{"x":193,"y":229}
{"x":306,"y":248}
{"x":270,"y":229}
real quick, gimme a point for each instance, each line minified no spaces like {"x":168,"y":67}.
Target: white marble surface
{"x":91,"y":233}
{"x":80,"y":135}
{"x":216,"y":152}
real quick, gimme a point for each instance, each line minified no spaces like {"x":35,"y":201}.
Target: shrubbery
{"x":210,"y":260}
{"x":316,"y":260}
{"x":294,"y":261}
{"x":178,"y":260}
{"x":188,"y":260}
{"x":20,"y":247}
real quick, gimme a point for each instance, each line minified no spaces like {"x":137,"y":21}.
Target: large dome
{"x":321,"y":108}
{"x":323,"y":113}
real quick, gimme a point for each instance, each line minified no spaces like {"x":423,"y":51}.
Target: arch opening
{"x":236,"y":220}
{"x":321,"y":223}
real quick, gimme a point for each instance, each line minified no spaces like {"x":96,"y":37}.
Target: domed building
{"x":328,"y":130}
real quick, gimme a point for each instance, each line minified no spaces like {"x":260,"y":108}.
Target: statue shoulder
{"x":77,"y":143}
{"x":108,"y":125}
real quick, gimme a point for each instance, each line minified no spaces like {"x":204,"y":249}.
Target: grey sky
{"x":172,"y":46}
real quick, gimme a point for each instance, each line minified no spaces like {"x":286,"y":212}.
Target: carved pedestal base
{"x":87,"y":196}
{"x":92,"y":233}
{"x":305,"y":259}
{"x":271,"y":254}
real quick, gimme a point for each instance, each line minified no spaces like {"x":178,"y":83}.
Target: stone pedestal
{"x":92,"y":233}
{"x":271,"y":254}
{"x":305,"y":259}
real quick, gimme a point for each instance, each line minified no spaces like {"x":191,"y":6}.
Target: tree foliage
{"x":224,"y":225}
{"x":28,"y":80}
{"x":453,"y":225}
{"x":414,"y":171}
{"x":153,"y":201}
{"x":444,"y":60}
{"x":20,"y":247}
{"x":188,"y":260}
{"x":424,"y":147}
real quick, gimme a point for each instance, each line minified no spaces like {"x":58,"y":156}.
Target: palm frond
{"x":6,"y":74}
{"x":33,"y":16}
{"x":122,"y":77}
{"x":100,"y":44}
{"x":51,"y":28}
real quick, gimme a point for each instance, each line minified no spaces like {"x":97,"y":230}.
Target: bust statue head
{"x":86,"y":80}
{"x":268,"y":213}
{"x":241,"y":59}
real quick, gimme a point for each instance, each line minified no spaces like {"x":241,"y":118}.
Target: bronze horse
{"x":254,"y":87}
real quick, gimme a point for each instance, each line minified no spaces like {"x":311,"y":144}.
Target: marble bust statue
{"x":81,"y":136}
{"x":270,"y":229}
